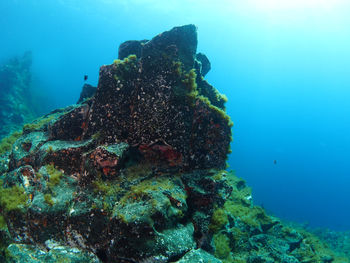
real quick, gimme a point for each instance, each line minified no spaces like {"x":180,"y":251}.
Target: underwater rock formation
{"x":135,"y":173}
{"x":87,"y":92}
{"x":15,"y":102}
{"x":159,"y":104}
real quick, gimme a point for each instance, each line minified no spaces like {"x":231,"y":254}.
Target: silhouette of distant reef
{"x":136,"y":173}
{"x":16,"y":105}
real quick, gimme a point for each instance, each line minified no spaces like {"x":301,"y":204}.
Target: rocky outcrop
{"x":203,"y":64}
{"x":86,"y":93}
{"x":157,"y":103}
{"x":135,"y":173}
{"x":124,"y":173}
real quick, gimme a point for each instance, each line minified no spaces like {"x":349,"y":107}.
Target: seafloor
{"x":135,"y":171}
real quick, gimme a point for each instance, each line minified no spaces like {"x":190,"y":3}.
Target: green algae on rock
{"x":135,"y":173}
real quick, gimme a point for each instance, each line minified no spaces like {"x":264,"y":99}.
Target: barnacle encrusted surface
{"x":159,"y":103}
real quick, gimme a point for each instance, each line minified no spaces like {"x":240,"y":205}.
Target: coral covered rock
{"x":155,"y":104}
{"x":135,"y":173}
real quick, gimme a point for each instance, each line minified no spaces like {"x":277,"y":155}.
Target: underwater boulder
{"x":135,"y":173}
{"x":152,"y":102}
{"x":106,"y":160}
{"x":70,"y":126}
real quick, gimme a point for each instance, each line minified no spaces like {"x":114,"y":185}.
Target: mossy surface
{"x":6,"y":143}
{"x":314,"y":249}
{"x":48,"y":199}
{"x":129,"y":59}
{"x":193,"y":92}
{"x":189,"y":80}
{"x":218,"y":220}
{"x":149,"y":199}
{"x":222,"y":246}
{"x":54,"y":175}
{"x":3,"y":224}
{"x":126,"y":68}
{"x":244,"y":232}
{"x":12,"y":198}
{"x":178,"y":68}
{"x":219,"y":112}
{"x":107,"y":192}
{"x":110,"y":191}
{"x":138,"y":170}
{"x":146,"y":187}
{"x":40,"y":123}
{"x":245,"y":214}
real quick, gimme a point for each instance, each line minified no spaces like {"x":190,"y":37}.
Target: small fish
{"x":85,"y":77}
{"x":274,"y":161}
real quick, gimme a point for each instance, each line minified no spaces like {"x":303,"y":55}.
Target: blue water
{"x":284,"y":65}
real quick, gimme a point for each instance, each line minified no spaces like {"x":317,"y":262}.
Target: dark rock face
{"x":131,"y":47}
{"x":157,"y":103}
{"x":87,"y":92}
{"x":204,"y":63}
{"x":71,"y":125}
{"x":178,"y":44}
